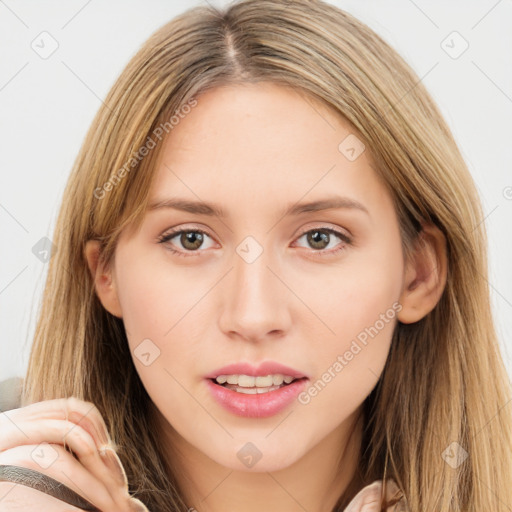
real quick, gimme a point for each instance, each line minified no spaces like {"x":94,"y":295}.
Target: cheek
{"x":359,"y":304}
{"x":154,"y":297}
{"x":353,"y":295}
{"x":160,"y":313}
{"x":348,"y":367}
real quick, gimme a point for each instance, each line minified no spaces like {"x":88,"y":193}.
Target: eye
{"x":320,"y":239}
{"x":190,"y":239}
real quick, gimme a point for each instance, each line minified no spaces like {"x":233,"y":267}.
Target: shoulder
{"x":10,"y":393}
{"x":368,"y":498}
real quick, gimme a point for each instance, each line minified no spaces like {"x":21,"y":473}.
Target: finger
{"x":79,"y":411}
{"x":66,"y":469}
{"x":46,"y":432}
{"x":73,"y":409}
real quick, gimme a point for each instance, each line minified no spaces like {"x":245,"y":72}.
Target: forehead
{"x":261,"y":145}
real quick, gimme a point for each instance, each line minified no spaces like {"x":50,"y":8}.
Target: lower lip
{"x":261,"y":405}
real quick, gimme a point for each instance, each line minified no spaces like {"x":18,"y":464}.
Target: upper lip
{"x":264,"y":369}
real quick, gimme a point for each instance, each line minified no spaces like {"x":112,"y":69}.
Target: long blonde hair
{"x":444,"y":388}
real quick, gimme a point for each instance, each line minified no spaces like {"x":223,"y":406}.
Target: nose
{"x":255,"y":300}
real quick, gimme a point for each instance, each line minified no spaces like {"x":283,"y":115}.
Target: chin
{"x":258,"y":455}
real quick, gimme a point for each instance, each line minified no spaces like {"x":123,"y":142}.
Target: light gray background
{"x":47,"y":105}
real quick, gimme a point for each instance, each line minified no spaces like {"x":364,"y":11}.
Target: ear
{"x":103,"y":279}
{"x":425,"y":275}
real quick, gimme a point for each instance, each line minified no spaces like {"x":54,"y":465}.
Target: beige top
{"x":368,"y":499}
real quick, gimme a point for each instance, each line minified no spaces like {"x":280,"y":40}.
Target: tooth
{"x":253,"y":390}
{"x":264,"y":382}
{"x":232,"y":379}
{"x":277,"y":379}
{"x":266,"y":390}
{"x":247,"y":391}
{"x":246,"y":381}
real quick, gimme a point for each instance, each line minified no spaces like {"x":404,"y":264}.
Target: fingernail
{"x":114,"y":462}
{"x":137,"y":506}
{"x":103,"y":435}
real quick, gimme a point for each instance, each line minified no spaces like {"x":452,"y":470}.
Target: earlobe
{"x":425,"y":275}
{"x":103,"y":278}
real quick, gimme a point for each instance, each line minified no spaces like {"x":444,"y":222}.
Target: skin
{"x":63,"y":439}
{"x":254,"y":150}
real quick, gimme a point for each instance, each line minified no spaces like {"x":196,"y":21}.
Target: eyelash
{"x":166,"y":237}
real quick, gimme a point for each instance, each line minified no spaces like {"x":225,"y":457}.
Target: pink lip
{"x":264,"y":369}
{"x":259,"y":405}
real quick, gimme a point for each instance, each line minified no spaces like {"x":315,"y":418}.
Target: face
{"x":315,"y":290}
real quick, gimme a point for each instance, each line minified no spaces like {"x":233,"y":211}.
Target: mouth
{"x":255,"y":397}
{"x":255,"y":385}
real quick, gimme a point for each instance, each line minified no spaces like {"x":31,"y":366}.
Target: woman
{"x":207,"y":334}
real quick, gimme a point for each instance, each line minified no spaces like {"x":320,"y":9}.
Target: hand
{"x":37,"y":436}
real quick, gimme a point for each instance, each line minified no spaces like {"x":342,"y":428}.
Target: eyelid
{"x":326,"y":226}
{"x":172,"y":232}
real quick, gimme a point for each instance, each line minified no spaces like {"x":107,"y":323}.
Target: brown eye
{"x":319,"y":239}
{"x":190,"y":240}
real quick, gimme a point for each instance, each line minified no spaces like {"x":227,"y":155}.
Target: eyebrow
{"x":210,"y":209}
